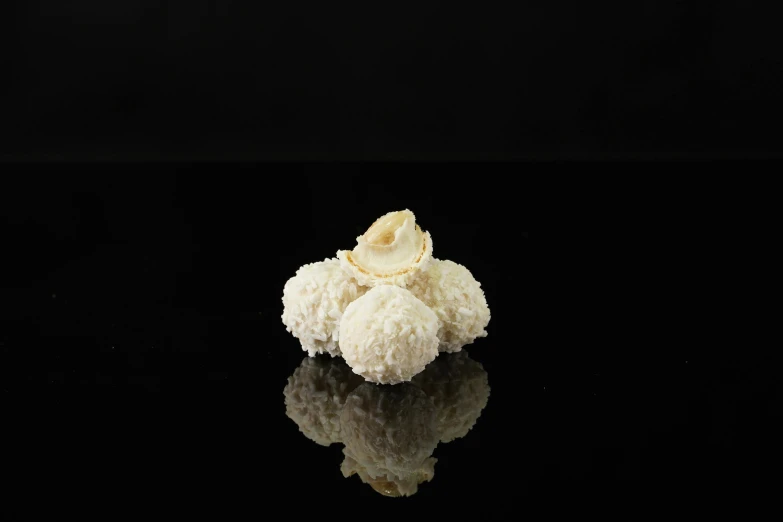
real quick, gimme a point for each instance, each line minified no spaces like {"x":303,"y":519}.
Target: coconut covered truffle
{"x":394,"y":250}
{"x":459,"y":389}
{"x":389,"y":435}
{"x":315,"y":395}
{"x":455,"y":296}
{"x":387,"y":335}
{"x":313,"y":304}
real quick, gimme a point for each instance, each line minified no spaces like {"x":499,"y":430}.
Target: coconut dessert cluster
{"x":387,"y":307}
{"x":389,"y":432}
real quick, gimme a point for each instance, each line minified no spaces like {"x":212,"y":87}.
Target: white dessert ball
{"x":313,"y":304}
{"x":387,"y":335}
{"x":315,"y":395}
{"x":459,"y":388}
{"x":457,"y":299}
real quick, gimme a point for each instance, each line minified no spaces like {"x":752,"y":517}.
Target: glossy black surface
{"x":142,"y":343}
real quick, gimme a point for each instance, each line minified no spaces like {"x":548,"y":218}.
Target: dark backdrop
{"x":141,"y":340}
{"x":223,"y":79}
{"x":142,"y":347}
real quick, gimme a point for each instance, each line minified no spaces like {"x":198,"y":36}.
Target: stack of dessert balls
{"x":387,"y":307}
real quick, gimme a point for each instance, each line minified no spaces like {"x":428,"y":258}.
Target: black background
{"x":203,"y":79}
{"x":142,"y":345}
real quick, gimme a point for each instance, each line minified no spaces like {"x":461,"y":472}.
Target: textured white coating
{"x":457,"y":299}
{"x":387,"y":335}
{"x":313,"y":304}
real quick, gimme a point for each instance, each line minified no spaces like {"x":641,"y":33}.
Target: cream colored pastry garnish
{"x":387,"y":335}
{"x":455,"y":296}
{"x":392,"y":251}
{"x":313,"y":304}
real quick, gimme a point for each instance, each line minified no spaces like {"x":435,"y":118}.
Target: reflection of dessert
{"x":389,"y":432}
{"x":459,"y":388}
{"x":314,"y":397}
{"x":389,"y":436}
{"x":405,"y":485}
